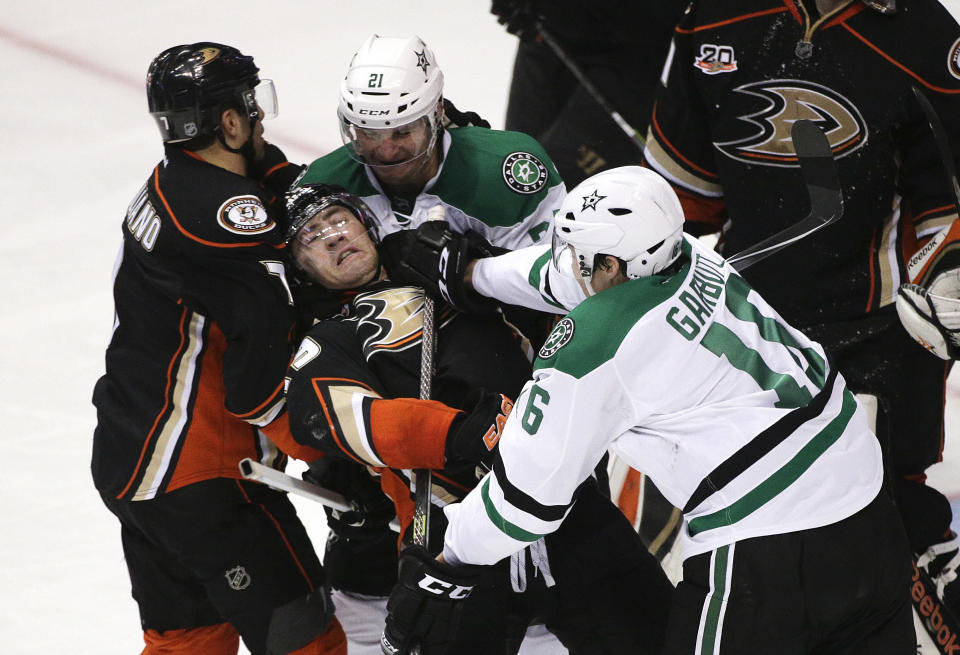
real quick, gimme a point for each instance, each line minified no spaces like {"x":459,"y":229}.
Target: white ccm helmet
{"x":391,"y":82}
{"x":629,"y":212}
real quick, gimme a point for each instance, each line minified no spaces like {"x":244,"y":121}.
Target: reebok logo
{"x":931,"y":611}
{"x":919,"y":260}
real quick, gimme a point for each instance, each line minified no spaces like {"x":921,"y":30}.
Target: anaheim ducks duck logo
{"x":392,"y":319}
{"x":244,"y":215}
{"x":785,"y":102}
{"x":208,"y":54}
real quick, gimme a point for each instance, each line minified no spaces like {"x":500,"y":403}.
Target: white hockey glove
{"x":932,"y":315}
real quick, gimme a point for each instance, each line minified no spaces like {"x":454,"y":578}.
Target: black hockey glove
{"x":426,"y":604}
{"x":473,"y":435}
{"x":453,"y":117}
{"x":370,"y":509}
{"x":434,"y":258}
{"x":520,"y":17}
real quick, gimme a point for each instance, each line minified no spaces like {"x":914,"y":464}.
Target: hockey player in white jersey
{"x":672,"y":361}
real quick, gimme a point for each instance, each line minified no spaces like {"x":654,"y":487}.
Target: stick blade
{"x":820,"y":176}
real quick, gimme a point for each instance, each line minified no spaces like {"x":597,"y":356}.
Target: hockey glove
{"x":473,"y":435}
{"x":929,"y":308}
{"x":520,"y":17}
{"x":932,"y":317}
{"x":370,"y":509}
{"x":425,"y":606}
{"x":434,"y":258}
{"x":453,"y":117}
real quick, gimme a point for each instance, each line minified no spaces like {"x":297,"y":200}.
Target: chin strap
{"x":247,"y":149}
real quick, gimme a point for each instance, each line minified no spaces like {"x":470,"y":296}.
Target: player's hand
{"x":434,"y":258}
{"x":370,"y":508}
{"x":932,"y":315}
{"x":520,"y":17}
{"x":929,"y":307}
{"x":426,"y":604}
{"x":473,"y":435}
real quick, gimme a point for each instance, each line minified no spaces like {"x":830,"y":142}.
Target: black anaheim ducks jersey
{"x":201,"y":336}
{"x":348,"y":367}
{"x":739,"y":72}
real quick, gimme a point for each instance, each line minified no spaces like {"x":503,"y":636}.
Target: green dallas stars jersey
{"x":697,"y":382}
{"x":501,"y":185}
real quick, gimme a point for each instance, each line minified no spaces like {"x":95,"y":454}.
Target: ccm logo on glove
{"x":444,"y":589}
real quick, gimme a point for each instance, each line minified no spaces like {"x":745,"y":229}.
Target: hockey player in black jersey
{"x":194,"y":377}
{"x":353,"y":394}
{"x":739,"y":73}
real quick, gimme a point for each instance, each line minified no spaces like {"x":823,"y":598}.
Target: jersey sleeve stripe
{"x":783,"y":477}
{"x":505,"y":526}
{"x":147,"y":443}
{"x":524,"y":502}
{"x":534,"y":279}
{"x":260,"y":416}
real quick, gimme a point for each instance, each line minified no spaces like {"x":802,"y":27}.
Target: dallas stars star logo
{"x":422,"y":62}
{"x":590,"y":202}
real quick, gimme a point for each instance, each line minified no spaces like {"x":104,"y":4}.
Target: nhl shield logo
{"x":559,"y":337}
{"x":244,"y":215}
{"x":237,"y":578}
{"x":524,"y":173}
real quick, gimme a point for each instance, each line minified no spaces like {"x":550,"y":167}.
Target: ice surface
{"x":75,"y":146}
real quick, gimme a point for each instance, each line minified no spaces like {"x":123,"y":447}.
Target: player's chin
{"x":357,"y":269}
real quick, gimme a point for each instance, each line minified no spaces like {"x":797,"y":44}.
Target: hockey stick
{"x":588,"y":85}
{"x":943,"y":145}
{"x":423,"y":478}
{"x":819,"y":173}
{"x":253,"y":470}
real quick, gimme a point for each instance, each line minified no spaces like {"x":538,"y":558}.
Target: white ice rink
{"x":76,"y":147}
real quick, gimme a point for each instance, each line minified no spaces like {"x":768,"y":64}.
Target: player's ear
{"x":230,"y":122}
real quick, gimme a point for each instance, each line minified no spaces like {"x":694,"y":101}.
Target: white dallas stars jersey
{"x":695,"y":381}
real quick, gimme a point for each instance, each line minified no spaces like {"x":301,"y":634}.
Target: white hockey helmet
{"x":629,"y":212}
{"x":392,"y":90}
{"x":391,"y":81}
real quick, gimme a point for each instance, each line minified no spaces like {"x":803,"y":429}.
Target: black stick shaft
{"x":589,"y":86}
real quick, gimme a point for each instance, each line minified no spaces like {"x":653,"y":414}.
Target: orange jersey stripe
{"x":214,"y":244}
{"x":896,"y":63}
{"x":735,"y":19}
{"x":166,"y":404}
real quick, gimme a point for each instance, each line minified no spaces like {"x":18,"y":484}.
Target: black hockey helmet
{"x":303,"y":203}
{"x":188,"y":86}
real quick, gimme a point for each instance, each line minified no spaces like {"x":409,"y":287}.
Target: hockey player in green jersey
{"x":673,"y":362}
{"x":401,"y":161}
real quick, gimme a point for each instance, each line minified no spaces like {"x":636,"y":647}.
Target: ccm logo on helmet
{"x":442,"y":588}
{"x":374,"y":112}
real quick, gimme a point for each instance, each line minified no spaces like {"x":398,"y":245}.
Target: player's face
{"x":399,"y":156}
{"x":335,"y":249}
